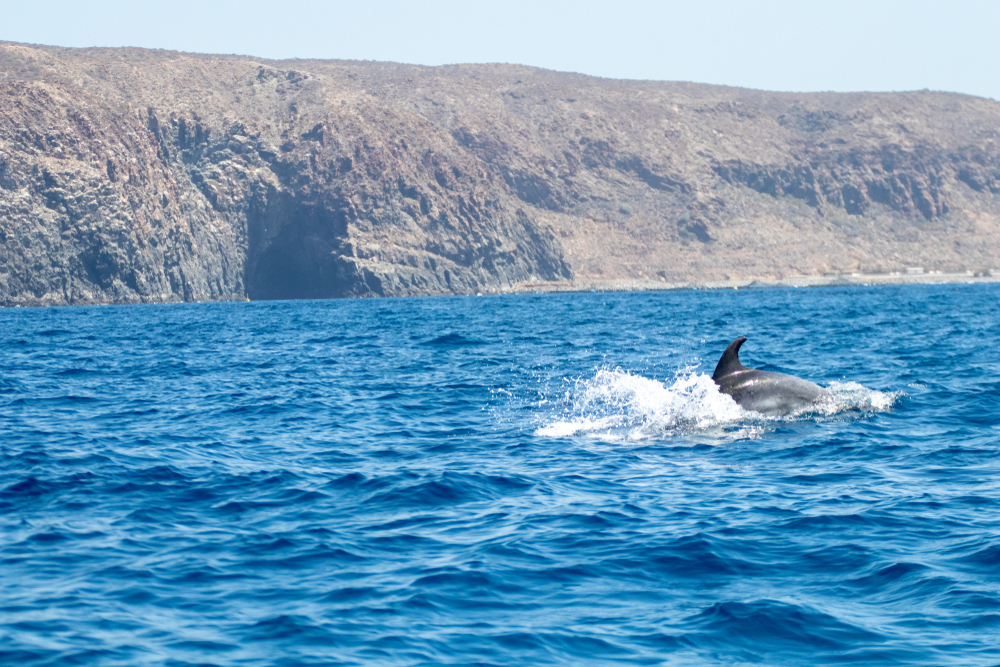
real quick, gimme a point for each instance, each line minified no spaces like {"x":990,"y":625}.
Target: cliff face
{"x":129,"y":175}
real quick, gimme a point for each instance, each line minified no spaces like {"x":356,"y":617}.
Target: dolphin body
{"x":773,"y":394}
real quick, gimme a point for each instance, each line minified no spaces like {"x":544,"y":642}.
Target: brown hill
{"x":130,"y":175}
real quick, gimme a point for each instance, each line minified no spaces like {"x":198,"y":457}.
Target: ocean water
{"x":519,"y":480}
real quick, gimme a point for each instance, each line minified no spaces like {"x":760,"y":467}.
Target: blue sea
{"x":502,"y":480}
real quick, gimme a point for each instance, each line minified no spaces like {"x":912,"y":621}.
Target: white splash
{"x":847,"y":396}
{"x":618,"y":405}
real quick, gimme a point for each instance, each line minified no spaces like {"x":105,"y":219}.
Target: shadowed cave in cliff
{"x":293,"y":253}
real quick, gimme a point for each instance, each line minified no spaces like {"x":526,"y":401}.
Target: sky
{"x":805,"y":45}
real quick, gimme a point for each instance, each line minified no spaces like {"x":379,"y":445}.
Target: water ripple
{"x":550,"y":480}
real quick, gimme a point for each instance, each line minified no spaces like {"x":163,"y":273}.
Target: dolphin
{"x":773,"y":394}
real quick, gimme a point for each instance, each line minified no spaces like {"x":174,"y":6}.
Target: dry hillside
{"x":130,"y":175}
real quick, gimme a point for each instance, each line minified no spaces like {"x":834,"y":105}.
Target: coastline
{"x":855,"y":279}
{"x":627,"y":285}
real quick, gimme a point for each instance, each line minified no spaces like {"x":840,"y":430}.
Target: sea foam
{"x":616,"y":404}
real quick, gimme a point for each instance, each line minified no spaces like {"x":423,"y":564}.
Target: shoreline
{"x":632,"y":285}
{"x":855,"y":279}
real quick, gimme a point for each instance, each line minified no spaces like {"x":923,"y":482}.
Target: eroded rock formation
{"x":130,"y":175}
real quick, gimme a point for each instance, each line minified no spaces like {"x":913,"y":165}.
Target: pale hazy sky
{"x":804,"y":45}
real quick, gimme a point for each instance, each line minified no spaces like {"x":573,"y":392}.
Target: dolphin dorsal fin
{"x":730,"y":361}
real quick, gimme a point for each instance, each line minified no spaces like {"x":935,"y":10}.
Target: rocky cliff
{"x":131,"y":175}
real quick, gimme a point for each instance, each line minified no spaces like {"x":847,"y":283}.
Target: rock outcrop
{"x":130,"y":175}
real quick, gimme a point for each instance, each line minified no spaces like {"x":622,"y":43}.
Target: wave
{"x":619,"y":405}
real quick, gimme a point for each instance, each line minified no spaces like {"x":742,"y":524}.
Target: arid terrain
{"x":131,"y":175}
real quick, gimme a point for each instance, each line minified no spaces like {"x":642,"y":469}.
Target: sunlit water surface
{"x":522,"y":480}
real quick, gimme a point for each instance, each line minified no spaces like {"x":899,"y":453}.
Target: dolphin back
{"x":763,"y":391}
{"x":770,"y":393}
